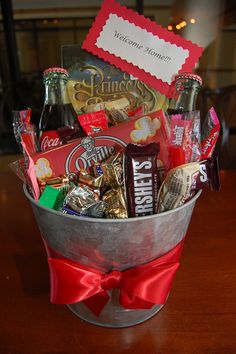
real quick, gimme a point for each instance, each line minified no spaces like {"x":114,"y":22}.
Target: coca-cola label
{"x":91,"y":150}
{"x":49,"y":139}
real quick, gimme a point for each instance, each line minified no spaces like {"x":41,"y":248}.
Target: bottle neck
{"x":56,"y":92}
{"x":185,"y":96}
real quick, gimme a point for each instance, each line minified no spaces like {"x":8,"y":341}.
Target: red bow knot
{"x":111,"y":280}
{"x":140,"y":287}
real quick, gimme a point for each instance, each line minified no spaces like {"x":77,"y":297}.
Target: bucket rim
{"x":103,"y":220}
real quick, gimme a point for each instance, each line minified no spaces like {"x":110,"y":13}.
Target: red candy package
{"x":180,"y":140}
{"x":210,"y":133}
{"x":138,"y":112}
{"x":184,"y":138}
{"x":93,"y":122}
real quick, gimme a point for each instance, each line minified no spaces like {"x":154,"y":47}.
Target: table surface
{"x":199,"y":316}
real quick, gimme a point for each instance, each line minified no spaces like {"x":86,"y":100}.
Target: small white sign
{"x":141,"y":48}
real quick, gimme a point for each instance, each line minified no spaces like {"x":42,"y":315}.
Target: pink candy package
{"x":210,"y":133}
{"x":185,"y":138}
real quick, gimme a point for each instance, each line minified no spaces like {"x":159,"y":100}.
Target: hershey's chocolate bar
{"x":141,"y":179}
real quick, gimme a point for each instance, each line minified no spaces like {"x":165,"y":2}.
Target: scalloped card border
{"x":111,"y":7}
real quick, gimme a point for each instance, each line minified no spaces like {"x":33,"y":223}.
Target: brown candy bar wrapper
{"x":209,"y":176}
{"x":181,"y":183}
{"x":115,"y":204}
{"x":141,"y":179}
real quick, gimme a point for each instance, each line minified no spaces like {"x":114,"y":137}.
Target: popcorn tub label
{"x":84,"y":152}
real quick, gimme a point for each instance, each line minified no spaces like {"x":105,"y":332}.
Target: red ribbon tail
{"x":152,"y":292}
{"x":66,"y":286}
{"x":97,"y":302}
{"x":133,"y":302}
{"x":149,"y":284}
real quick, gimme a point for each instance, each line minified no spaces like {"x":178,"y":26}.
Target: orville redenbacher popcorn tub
{"x":113,"y":273}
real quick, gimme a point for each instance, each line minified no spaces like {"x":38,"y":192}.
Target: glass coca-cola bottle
{"x":58,"y":119}
{"x":187,"y":87}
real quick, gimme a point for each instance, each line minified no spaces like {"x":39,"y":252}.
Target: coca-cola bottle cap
{"x":189,"y":76}
{"x":55,"y":70}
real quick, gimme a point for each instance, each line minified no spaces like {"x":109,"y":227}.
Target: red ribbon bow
{"x":140,"y":287}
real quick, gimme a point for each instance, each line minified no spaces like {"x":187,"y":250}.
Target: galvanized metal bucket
{"x":107,"y":244}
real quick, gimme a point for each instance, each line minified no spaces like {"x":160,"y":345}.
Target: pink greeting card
{"x":139,"y":46}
